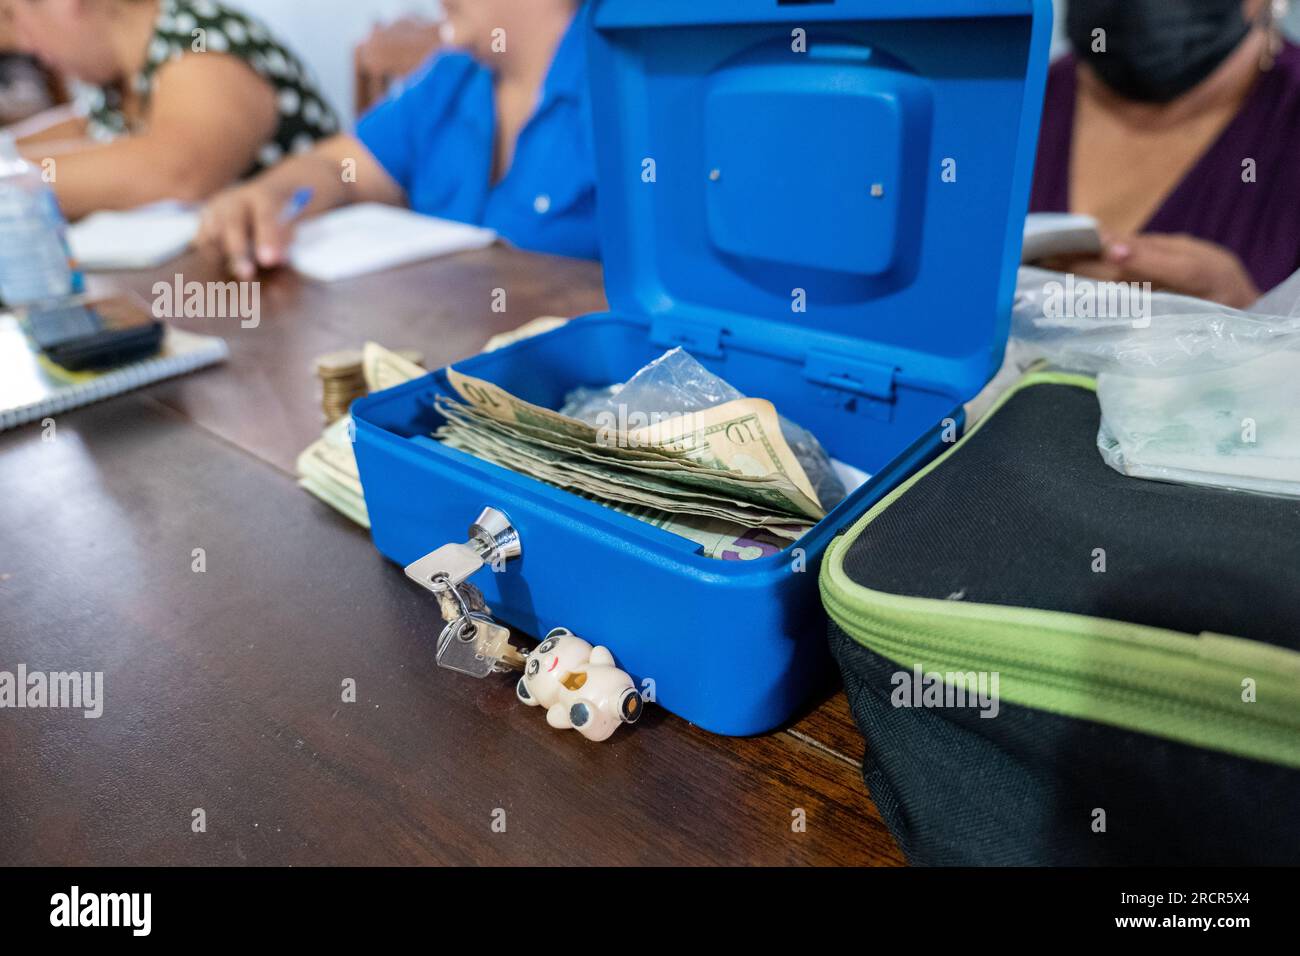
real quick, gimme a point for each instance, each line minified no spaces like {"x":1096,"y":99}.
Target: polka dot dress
{"x":187,"y":27}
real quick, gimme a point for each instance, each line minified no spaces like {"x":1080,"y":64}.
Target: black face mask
{"x":1155,"y":50}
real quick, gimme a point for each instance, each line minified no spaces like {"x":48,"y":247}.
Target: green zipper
{"x":1183,"y":687}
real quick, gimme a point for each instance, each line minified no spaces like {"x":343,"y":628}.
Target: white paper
{"x":850,"y":476}
{"x":370,"y":237}
{"x":1050,"y":234}
{"x":140,"y":238}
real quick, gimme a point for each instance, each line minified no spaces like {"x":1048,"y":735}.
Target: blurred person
{"x":1176,"y":124}
{"x":494,"y":130}
{"x":187,"y":96}
{"x":26,"y":88}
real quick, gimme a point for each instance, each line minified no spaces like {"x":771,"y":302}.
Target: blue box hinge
{"x":698,"y":338}
{"x":861,"y":377}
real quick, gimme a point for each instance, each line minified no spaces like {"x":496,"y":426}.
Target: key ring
{"x":457,"y":629}
{"x":468,"y":627}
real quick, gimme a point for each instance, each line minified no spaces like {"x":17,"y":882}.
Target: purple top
{"x":1259,"y":221}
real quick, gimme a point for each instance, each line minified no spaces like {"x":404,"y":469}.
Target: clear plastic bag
{"x":1232,"y":427}
{"x":677,"y":383}
{"x":1159,"y":334}
{"x":1190,"y":391}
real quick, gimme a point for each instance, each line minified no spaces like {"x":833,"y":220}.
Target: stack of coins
{"x":341,"y":382}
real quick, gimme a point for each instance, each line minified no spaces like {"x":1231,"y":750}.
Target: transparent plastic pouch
{"x":1190,"y":391}
{"x":677,"y":383}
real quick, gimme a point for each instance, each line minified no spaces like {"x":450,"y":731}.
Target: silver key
{"x":449,"y":565}
{"x":471,"y":642}
{"x":492,"y":540}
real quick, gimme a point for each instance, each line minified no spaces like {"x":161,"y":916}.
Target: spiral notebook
{"x":32,"y":387}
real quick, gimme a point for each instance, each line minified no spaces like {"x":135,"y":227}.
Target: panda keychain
{"x":579,"y":685}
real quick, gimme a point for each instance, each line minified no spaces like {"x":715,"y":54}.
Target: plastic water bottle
{"x":34,"y":259}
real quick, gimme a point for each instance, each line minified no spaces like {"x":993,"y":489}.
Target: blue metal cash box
{"x":823,"y":203}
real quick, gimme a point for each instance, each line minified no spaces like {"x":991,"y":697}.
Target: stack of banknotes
{"x":724,"y":477}
{"x":327,"y":468}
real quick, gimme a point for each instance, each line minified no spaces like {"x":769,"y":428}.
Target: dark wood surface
{"x":223,"y":688}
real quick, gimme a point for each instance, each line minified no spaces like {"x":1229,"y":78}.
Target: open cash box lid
{"x":866,"y":161}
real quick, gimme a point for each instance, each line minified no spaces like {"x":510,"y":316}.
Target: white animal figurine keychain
{"x":579,"y":686}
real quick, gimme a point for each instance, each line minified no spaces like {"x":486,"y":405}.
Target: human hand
{"x":244,"y":225}
{"x":1174,"y":263}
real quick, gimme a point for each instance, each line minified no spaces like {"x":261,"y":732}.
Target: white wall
{"x":324,"y":32}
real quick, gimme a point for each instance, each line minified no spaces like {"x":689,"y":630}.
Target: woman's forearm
{"x":136,"y":170}
{"x":129,"y":172}
{"x":340,"y":170}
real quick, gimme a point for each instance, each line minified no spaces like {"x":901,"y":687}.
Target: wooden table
{"x":223,"y":688}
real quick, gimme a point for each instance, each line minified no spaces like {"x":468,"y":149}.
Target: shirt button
{"x":542,"y":204}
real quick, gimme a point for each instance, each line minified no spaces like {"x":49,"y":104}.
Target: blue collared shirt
{"x":434,"y":136}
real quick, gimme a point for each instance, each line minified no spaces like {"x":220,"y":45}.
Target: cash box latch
{"x":858,"y":376}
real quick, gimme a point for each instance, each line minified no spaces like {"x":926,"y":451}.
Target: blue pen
{"x":298,"y":202}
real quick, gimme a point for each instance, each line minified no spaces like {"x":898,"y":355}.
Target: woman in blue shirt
{"x":495,"y":132}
